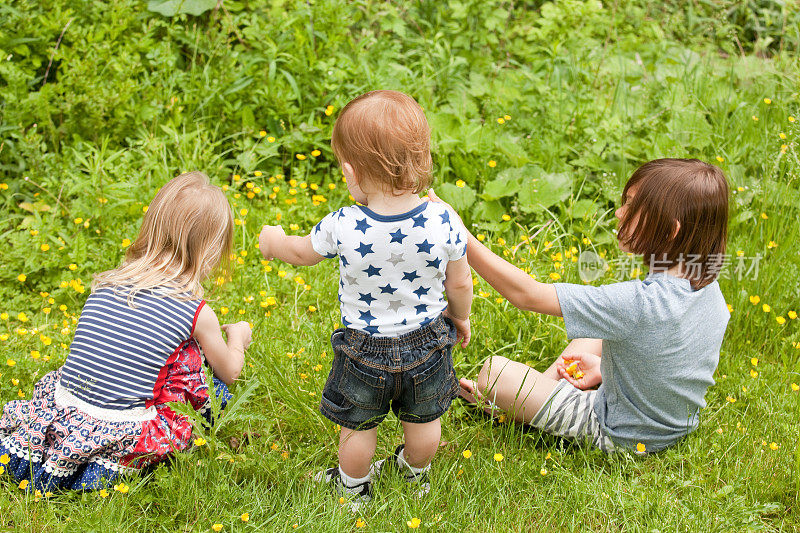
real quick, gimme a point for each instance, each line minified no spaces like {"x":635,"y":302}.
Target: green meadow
{"x":539,"y":110}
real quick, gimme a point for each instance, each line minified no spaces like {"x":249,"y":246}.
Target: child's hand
{"x":239,"y":331}
{"x":580,"y":369}
{"x":268,"y":238}
{"x":463,"y":329}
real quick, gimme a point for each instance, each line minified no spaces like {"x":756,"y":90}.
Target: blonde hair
{"x":186,"y":234}
{"x":385,"y":136}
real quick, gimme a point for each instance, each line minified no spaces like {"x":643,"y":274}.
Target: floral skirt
{"x":54,"y":446}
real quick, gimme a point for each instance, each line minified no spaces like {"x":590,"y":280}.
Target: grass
{"x":621,"y":87}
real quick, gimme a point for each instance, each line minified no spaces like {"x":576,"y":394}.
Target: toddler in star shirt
{"x":398,"y":255}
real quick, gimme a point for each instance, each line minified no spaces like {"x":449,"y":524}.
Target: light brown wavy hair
{"x":186,"y":234}
{"x":385,"y":136}
{"x":690,"y":192}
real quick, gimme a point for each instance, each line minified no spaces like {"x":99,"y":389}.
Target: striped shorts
{"x":569,"y":413}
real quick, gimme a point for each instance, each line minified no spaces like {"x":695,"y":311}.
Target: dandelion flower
{"x":271,"y":139}
{"x":720,"y":159}
{"x":731,"y":399}
{"x":22,"y":278}
{"x":795,"y":387}
{"x":360,"y":523}
{"x":766,"y":308}
{"x":791,"y":119}
{"x":792,"y":314}
{"x":329,"y":111}
{"x":460,"y":183}
{"x":245,"y":517}
{"x":774,"y":446}
{"x":466,"y":454}
{"x":780,"y":320}
{"x":315,"y":153}
{"x":767,"y":101}
{"x":413,"y":523}
{"x":199,"y":441}
{"x":492,"y":163}
{"x":753,"y":374}
{"x":754,"y":361}
{"x":640,"y":447}
{"x":10,"y":362}
{"x":498,"y":457}
{"x":217,"y":527}
{"x":4,"y":459}
{"x":543,"y":471}
{"x":23,"y":484}
{"x":755,"y":299}
{"x":301,"y":157}
{"x":501,"y":120}
{"x":103,"y":493}
{"x":764,"y":216}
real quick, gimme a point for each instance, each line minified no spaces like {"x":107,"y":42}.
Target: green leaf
{"x":458,"y":197}
{"x":170,"y":8}
{"x":542,"y":190}
{"x":507,"y":183}
{"x":512,"y":149}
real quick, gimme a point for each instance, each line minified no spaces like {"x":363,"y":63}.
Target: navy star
{"x":445,"y":217}
{"x":345,"y":322}
{"x":345,"y":262}
{"x":426,"y":321}
{"x":372,"y":330}
{"x":435,"y":263}
{"x":458,"y":238}
{"x":404,"y":322}
{"x":398,"y":236}
{"x":367,"y":298}
{"x":340,"y":213}
{"x":364,"y":249}
{"x":411,"y":276}
{"x":366,"y":317}
{"x":424,"y":247}
{"x":419,"y":220}
{"x":362,"y":225}
{"x":421,"y":291}
{"x":387,"y":289}
{"x":316,"y":228}
{"x":372,"y":270}
{"x":421,"y":308}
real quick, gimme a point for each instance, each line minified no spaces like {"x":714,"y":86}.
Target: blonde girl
{"x":139,"y":344}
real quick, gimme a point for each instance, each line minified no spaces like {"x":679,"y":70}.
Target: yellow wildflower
{"x":640,"y":447}
{"x":492,"y":163}
{"x":498,"y":457}
{"x":413,"y":523}
{"x":466,"y":454}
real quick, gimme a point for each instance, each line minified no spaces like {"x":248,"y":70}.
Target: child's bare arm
{"x":226,"y":359}
{"x":514,"y":284}
{"x":458,"y":286}
{"x":273,"y":242}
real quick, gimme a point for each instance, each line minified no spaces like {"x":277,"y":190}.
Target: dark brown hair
{"x":385,"y":136}
{"x":684,"y":194}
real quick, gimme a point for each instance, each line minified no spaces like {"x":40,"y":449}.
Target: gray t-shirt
{"x":661,"y":342}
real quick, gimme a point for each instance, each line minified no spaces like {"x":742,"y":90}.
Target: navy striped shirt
{"x":118,"y":351}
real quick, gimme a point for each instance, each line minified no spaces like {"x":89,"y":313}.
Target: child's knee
{"x":491,"y":371}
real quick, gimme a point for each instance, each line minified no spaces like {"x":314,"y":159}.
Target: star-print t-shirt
{"x":392,"y":268}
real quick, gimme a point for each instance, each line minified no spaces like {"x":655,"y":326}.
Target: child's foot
{"x":357,"y":496}
{"x":418,"y":480}
{"x":468,"y":391}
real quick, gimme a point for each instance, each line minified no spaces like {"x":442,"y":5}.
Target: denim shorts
{"x":412,"y":374}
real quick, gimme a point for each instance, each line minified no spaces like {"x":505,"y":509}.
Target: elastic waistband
{"x":392,"y":345}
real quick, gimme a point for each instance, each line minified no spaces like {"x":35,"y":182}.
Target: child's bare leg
{"x":593,"y":346}
{"x":356,"y":449}
{"x":512,"y":387}
{"x":422,"y":441}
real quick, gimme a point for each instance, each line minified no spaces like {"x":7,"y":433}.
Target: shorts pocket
{"x":362,"y":388}
{"x":428,"y":382}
